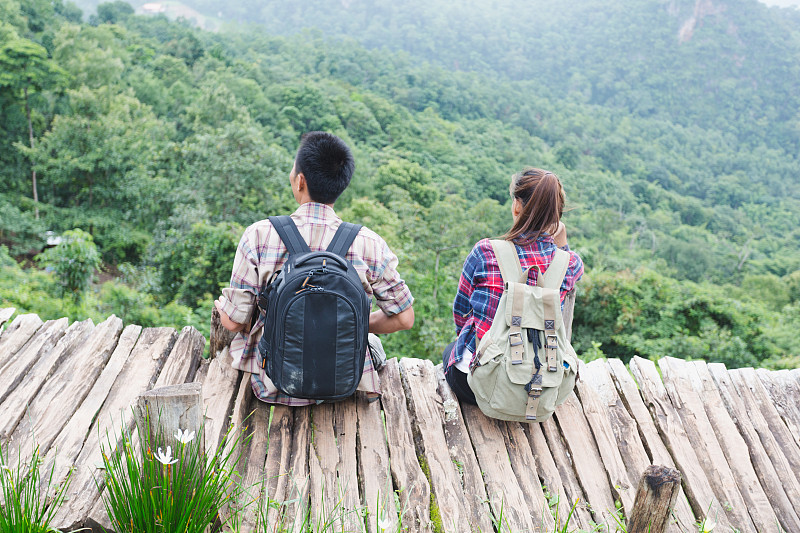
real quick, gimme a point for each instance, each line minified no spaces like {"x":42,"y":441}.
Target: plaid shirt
{"x":261,"y":252}
{"x":481,"y":287}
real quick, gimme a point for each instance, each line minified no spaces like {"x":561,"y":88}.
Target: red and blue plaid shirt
{"x":481,"y":287}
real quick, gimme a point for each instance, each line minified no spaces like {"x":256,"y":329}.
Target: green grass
{"x":24,"y":506}
{"x":154,"y":491}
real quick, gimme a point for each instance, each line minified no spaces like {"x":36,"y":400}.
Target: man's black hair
{"x":327,"y":164}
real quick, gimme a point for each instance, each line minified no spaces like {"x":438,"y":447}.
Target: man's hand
{"x":380,"y":322}
{"x":226,"y":321}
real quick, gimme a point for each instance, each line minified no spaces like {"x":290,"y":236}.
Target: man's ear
{"x":301,"y":182}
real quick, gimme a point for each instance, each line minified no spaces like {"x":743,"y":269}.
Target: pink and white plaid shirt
{"x":261,"y":252}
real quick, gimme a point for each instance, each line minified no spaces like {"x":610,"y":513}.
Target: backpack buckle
{"x":552,"y":342}
{"x":515,"y":339}
{"x":534,"y":386}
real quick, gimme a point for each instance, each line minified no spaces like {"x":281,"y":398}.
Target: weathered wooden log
{"x":161,"y":412}
{"x":655,"y":499}
{"x":5,"y":314}
{"x":220,"y":337}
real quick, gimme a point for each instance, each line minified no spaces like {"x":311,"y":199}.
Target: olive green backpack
{"x":525,"y":365}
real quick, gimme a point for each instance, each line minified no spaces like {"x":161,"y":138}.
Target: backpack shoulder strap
{"x":287,"y":230}
{"x":555,"y":273}
{"x":507,"y":258}
{"x":343,"y":239}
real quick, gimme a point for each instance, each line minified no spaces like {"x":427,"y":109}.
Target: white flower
{"x":384,"y":523}
{"x":165,"y":458}
{"x":708,"y":525}
{"x":184,"y":437}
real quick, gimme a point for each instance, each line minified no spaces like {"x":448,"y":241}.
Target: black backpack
{"x":317,"y":318}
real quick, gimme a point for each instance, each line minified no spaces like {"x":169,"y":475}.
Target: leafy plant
{"x":74,"y":260}
{"x":24,"y":508}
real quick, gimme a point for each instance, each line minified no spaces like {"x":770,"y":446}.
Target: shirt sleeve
{"x":392,"y":295}
{"x":238,"y":300}
{"x":462,"y":308}
{"x":574,"y":273}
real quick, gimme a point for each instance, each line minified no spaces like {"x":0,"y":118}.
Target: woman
{"x":537,"y":205}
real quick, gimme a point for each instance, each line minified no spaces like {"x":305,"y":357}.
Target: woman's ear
{"x":516,"y":207}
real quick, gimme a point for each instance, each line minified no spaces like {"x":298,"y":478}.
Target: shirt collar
{"x":544,"y":237}
{"x":315,"y":212}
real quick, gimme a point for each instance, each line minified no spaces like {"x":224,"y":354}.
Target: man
{"x":321,"y":172}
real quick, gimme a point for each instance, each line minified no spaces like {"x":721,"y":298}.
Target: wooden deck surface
{"x":415,"y":459}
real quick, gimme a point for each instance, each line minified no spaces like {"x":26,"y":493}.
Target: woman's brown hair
{"x":542,"y":199}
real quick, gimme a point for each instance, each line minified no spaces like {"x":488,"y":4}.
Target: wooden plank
{"x":659,"y":455}
{"x":419,"y":384}
{"x":66,"y":389}
{"x":184,"y":359}
{"x":783,"y":393}
{"x":14,"y":407}
{"x":69,"y":443}
{"x":220,"y":386}
{"x":695,"y":483}
{"x":297,"y":490}
{"x":277,"y":463}
{"x":770,"y":442}
{"x":409,"y":480}
{"x":586,"y":460}
{"x":237,"y":446}
{"x":524,"y":465}
{"x":5,"y":315}
{"x":13,"y":371}
{"x":771,"y":480}
{"x":462,"y":454}
{"x":701,"y":432}
{"x":733,"y":445}
{"x":576,"y":498}
{"x":373,"y":468}
{"x":595,"y":377}
{"x":597,"y":417}
{"x":771,"y":422}
{"x":509,"y":507}
{"x":251,"y":464}
{"x":137,"y":375}
{"x":551,"y":480}
{"x":202,"y":371}
{"x":334,"y":476}
{"x":17,"y":334}
{"x":767,"y":474}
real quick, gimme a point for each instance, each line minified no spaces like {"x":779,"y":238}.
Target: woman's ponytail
{"x":542,"y":198}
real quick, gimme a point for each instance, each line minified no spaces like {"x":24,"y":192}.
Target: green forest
{"x":148,"y":145}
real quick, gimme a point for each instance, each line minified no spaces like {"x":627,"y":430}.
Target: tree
{"x":74,"y":260}
{"x":113,"y":12}
{"x":25,"y":68}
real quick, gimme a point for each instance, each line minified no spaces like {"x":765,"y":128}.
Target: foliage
{"x":195,"y":264}
{"x":23,"y":489}
{"x":152,"y":491}
{"x":163,"y":141}
{"x":74,"y":261}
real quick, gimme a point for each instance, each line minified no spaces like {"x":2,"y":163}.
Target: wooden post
{"x":655,"y":499}
{"x":220,"y":337}
{"x":569,"y":311}
{"x":163,"y":411}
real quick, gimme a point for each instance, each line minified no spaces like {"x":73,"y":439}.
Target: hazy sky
{"x":782,"y":3}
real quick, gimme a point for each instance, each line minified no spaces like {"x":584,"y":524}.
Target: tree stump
{"x":220,"y":337}
{"x":161,"y":412}
{"x":655,"y":499}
